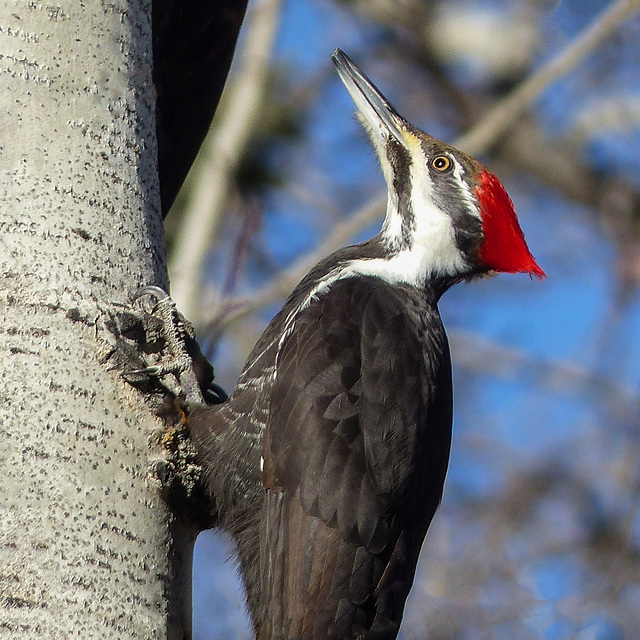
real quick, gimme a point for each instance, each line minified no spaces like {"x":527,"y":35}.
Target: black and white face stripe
{"x":432,"y":226}
{"x":400,"y":222}
{"x":452,"y":193}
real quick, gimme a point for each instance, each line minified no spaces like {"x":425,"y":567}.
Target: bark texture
{"x":87,"y":548}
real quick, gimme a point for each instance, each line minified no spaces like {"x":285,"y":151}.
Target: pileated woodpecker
{"x":327,"y":462}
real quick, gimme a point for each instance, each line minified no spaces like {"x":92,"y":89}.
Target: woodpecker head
{"x":447,"y":215}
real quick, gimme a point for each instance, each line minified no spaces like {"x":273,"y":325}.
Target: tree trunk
{"x":87,"y":548}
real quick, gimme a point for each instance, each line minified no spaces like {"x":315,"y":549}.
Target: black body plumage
{"x":347,"y":400}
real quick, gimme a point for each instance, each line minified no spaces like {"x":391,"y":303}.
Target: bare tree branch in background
{"x":480,"y":355}
{"x":220,"y":155}
{"x":503,"y":115}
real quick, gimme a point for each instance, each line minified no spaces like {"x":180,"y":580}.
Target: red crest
{"x":504,"y":247}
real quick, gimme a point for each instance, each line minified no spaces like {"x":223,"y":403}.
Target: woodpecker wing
{"x":355,"y":453}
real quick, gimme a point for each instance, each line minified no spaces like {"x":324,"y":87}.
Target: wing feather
{"x":358,"y":438}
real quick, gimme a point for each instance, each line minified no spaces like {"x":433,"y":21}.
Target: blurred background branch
{"x":502,"y":116}
{"x":211,"y":179}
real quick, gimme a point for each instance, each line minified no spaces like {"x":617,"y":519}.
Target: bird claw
{"x":159,"y":370}
{"x":175,"y":330}
{"x":150,"y":290}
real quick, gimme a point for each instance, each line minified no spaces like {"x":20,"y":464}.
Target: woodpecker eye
{"x":441,"y":163}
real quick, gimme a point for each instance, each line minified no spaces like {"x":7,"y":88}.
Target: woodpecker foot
{"x":153,"y":347}
{"x":178,"y":363}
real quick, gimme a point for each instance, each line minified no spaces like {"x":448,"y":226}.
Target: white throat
{"x":423,"y":239}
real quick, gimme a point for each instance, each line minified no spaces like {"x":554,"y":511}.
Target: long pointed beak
{"x":375,"y":109}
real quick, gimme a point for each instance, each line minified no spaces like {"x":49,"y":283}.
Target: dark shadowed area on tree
{"x":193,"y":44}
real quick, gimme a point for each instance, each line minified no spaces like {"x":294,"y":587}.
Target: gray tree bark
{"x":87,"y":548}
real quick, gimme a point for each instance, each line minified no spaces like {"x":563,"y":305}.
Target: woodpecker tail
{"x":328,"y":588}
